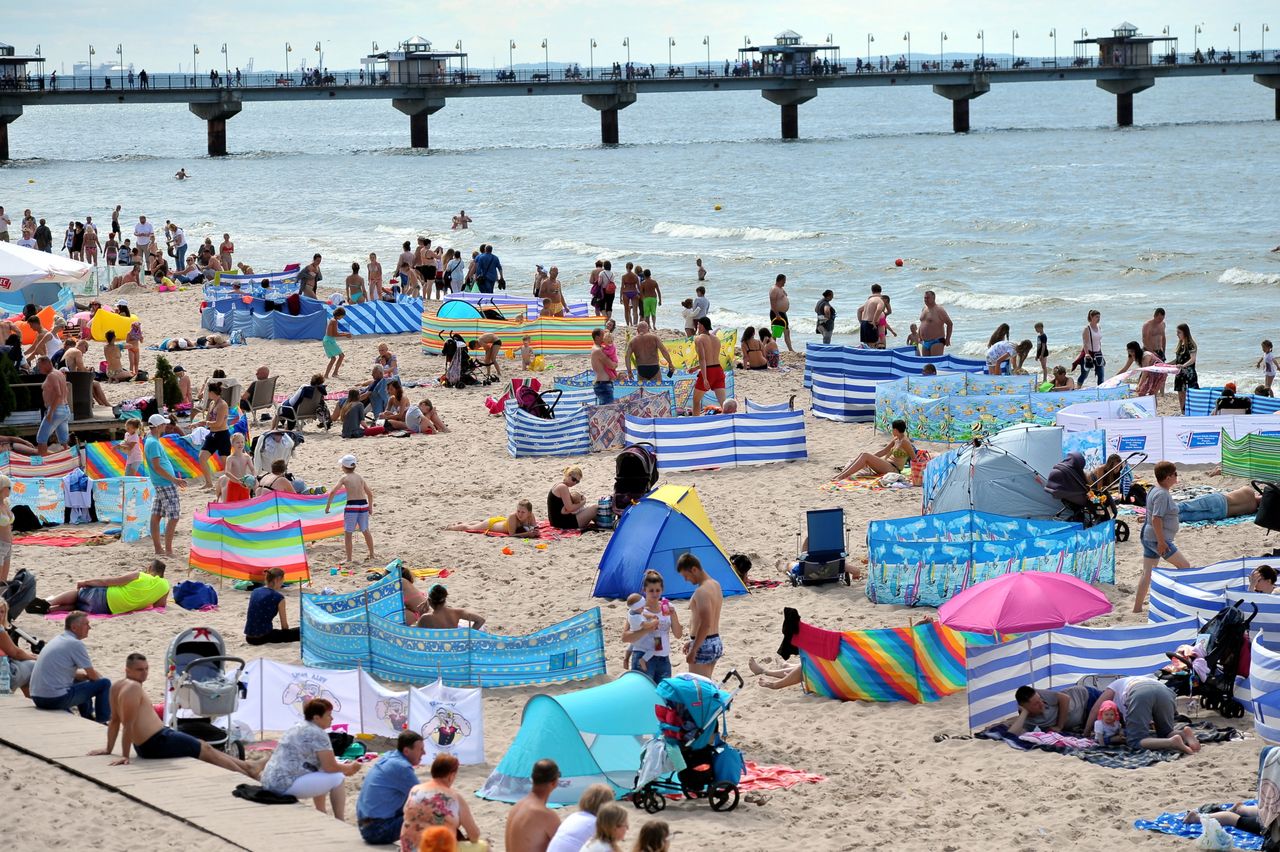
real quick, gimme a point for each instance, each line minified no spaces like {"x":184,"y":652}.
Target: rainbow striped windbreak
{"x":917,"y":664}
{"x":106,"y":459}
{"x":551,"y":336}
{"x":243,"y":553}
{"x":276,"y":508}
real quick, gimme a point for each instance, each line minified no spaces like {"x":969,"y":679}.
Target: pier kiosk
{"x":415,"y":64}
{"x":14,"y":75}
{"x":1131,"y":56}
{"x":788,"y":57}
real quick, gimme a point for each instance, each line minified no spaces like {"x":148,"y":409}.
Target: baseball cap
{"x":122,"y":303}
{"x":179,"y":369}
{"x":348,"y":461}
{"x":158,"y":420}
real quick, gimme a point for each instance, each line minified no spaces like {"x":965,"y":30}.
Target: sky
{"x":347,"y":30}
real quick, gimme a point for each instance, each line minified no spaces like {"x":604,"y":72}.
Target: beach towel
{"x":764,"y":584}
{"x":59,"y":616}
{"x":1171,"y":823}
{"x":51,"y":538}
{"x":1053,"y":738}
{"x":758,"y":777}
{"x":546,"y":532}
{"x":1111,"y":757}
{"x":888,"y":482}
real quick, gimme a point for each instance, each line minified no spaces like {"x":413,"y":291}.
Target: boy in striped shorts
{"x":359,"y":504}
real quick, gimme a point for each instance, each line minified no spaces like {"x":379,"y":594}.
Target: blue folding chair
{"x":823,"y":549}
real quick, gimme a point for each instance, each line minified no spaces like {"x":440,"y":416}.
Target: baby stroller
{"x":203,"y":684}
{"x":692,"y":717}
{"x":1268,"y":514}
{"x":635,"y":473}
{"x":1225,"y":637}
{"x":460,"y":367}
{"x":18,"y":592}
{"x":1069,"y":483}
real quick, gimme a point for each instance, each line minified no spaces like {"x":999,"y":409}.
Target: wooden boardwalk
{"x":191,"y":791}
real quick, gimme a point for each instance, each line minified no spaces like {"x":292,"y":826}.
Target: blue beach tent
{"x":594,"y":735}
{"x":653,"y":533}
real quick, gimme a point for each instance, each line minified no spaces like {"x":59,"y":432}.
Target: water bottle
{"x":5,"y":683}
{"x":604,"y":513}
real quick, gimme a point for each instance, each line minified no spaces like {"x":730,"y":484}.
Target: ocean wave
{"x":1010,"y":301}
{"x":1244,"y":278}
{"x":771,"y":235}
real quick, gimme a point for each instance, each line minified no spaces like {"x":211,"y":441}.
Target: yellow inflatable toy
{"x":105,"y":320}
{"x":46,"y":316}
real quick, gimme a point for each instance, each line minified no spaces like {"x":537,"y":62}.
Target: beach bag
{"x":727,"y":765}
{"x":191,"y":594}
{"x":1268,"y":515}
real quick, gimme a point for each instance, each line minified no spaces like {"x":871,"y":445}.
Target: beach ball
{"x":717,"y":206}
{"x":898,"y":262}
{"x":31,"y":180}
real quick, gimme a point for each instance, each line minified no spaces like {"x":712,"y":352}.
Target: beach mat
{"x":59,"y":616}
{"x":546,"y":532}
{"x":863,"y":483}
{"x":63,"y":539}
{"x":1111,"y":757}
{"x":1171,"y":823}
{"x":757,"y":777}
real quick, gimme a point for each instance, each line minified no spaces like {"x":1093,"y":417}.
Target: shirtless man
{"x":355,"y":286}
{"x":219,"y":440}
{"x":869,"y":318}
{"x":650,"y":298}
{"x":131,"y":711}
{"x":704,"y":647}
{"x":531,"y":824}
{"x":604,"y":367}
{"x":710,"y":371}
{"x":445,"y":617}
{"x":56,"y":403}
{"x":1153,"y":334}
{"x":551,"y":291}
{"x":779,"y":304}
{"x":73,"y":361}
{"x":355,"y":518}
{"x":630,"y":292}
{"x":643,"y":352}
{"x":935,"y":326}
{"x":461,"y":221}
{"x":490,"y":344}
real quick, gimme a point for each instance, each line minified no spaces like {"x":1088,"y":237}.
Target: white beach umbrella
{"x":21,"y":267}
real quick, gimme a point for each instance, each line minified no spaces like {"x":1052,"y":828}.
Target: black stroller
{"x":18,"y":593}
{"x":460,"y":367}
{"x":635,"y":474}
{"x":1223,"y":649}
{"x":1268,"y":514}
{"x":1069,"y":483}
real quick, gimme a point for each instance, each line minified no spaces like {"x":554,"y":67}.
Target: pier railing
{"x":843,"y":67}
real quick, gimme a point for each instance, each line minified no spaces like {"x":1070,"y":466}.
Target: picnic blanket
{"x":1171,"y":823}
{"x":1141,"y":514}
{"x":546,"y":532}
{"x":59,"y":616}
{"x":764,"y":584}
{"x":51,"y":538}
{"x":868,"y":483}
{"x":757,"y":777}
{"x":1111,"y":757}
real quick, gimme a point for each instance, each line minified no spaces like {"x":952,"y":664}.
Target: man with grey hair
{"x":57,"y":410}
{"x":64,"y":676}
{"x":643,"y":352}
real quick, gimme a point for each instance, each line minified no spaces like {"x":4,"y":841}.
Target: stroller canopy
{"x":1004,"y":474}
{"x":1067,"y":480}
{"x":655,"y":532}
{"x":594,"y":735}
{"x":699,"y":697}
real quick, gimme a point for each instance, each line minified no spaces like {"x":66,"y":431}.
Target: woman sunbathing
{"x":891,"y":459}
{"x":788,"y":675}
{"x":521,"y":524}
{"x":1241,"y":816}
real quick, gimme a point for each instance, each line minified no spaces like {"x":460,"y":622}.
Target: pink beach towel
{"x":59,"y":616}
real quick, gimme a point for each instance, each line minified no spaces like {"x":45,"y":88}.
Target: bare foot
{"x":1192,"y":818}
{"x":755,"y":667}
{"x":1189,"y":737}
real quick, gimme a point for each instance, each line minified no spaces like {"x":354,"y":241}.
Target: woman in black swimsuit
{"x":752,"y":351}
{"x":566,"y":510}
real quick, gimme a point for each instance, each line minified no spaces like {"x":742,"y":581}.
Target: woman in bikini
{"x":521,"y":524}
{"x":891,"y":459}
{"x":566,"y":509}
{"x":752,"y":351}
{"x":397,"y":406}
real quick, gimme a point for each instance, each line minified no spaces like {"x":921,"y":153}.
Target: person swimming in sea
{"x":182,"y":174}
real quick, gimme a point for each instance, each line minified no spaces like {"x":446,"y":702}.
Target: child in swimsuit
{"x":1042,"y":351}
{"x":520,"y":524}
{"x":330,"y":342}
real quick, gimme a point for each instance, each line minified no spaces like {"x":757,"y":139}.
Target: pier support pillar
{"x":960,"y":94}
{"x":9,"y":113}
{"x":1124,"y":90}
{"x":215,"y":116}
{"x":1271,"y":81}
{"x":418,"y":109}
{"x":790,"y":100}
{"x":608,"y":104}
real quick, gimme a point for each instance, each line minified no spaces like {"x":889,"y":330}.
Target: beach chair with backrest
{"x":823,"y":549}
{"x":309,"y":408}
{"x":264,"y":396}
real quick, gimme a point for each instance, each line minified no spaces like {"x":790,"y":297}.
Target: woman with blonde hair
{"x":611,"y":828}
{"x":21,"y":663}
{"x":579,"y":827}
{"x":567,"y":509}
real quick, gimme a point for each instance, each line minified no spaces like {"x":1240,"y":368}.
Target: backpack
{"x":190,"y":594}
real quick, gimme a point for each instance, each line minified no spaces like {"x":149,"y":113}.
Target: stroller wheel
{"x":1232,"y":709}
{"x":657,"y":802}
{"x":235,"y":749}
{"x":637,"y":798}
{"x":723,"y":796}
{"x":795,"y":580}
{"x":1122,"y":531}
{"x":844,"y":578}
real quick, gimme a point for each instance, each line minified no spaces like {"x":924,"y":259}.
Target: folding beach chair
{"x":822,"y":559}
{"x":264,"y":396}
{"x":309,"y":408}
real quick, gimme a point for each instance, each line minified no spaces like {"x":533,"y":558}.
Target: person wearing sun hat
{"x":166,"y":482}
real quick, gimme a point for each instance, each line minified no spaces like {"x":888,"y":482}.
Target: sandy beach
{"x":889,"y":785}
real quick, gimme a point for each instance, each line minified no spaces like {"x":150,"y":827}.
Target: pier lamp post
{"x":982,"y":37}
{"x":942,"y":40}
{"x":1239,"y":31}
{"x":1265,"y":29}
{"x":907,"y":38}
{"x":1053,"y":33}
{"x":511,"y":53}
{"x":1014,"y":48}
{"x":462,"y":61}
{"x":831,"y":39}
{"x":626,"y":42}
{"x":319,"y":57}
{"x":592,"y":64}
{"x":546,"y":58}
{"x":671,"y":42}
{"x":226,"y":60}
{"x":1195,"y":39}
{"x":706,"y":39}
{"x":195,"y":51}
{"x":90,"y":66}
{"x":120,"y":61}
{"x":870,"y":39}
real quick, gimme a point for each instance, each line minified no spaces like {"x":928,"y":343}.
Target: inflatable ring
{"x":105,"y":320}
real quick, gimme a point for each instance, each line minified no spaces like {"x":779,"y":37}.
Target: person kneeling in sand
{"x":1145,"y":702}
{"x":132,"y":714}
{"x":521,"y":524}
{"x":443,"y":616}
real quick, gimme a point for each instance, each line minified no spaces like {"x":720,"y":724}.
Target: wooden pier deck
{"x":190,"y":791}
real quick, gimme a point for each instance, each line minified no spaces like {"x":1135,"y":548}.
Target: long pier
{"x":607,"y":91}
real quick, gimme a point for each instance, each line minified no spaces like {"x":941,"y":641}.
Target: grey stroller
{"x":204,"y":688}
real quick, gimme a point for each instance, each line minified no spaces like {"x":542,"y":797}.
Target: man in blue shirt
{"x":380,"y":808}
{"x":488,"y":269}
{"x":165,"y":482}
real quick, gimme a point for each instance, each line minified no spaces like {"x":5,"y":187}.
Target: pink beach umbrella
{"x":1023,"y":602}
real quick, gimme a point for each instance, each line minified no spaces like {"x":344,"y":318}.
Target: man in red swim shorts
{"x":710,"y":372}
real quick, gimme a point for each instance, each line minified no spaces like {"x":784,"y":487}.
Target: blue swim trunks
{"x":710,"y":650}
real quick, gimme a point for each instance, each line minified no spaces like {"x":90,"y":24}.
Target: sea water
{"x":1044,"y":211}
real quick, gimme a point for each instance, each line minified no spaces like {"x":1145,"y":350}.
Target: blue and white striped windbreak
{"x":842,"y":379}
{"x":566,"y":435}
{"x":721,"y":440}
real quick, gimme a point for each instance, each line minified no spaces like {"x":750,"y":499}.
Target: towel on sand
{"x":1171,"y":823}
{"x":59,"y":616}
{"x":546,"y":532}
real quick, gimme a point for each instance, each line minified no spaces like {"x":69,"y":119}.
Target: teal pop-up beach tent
{"x":594,"y":735}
